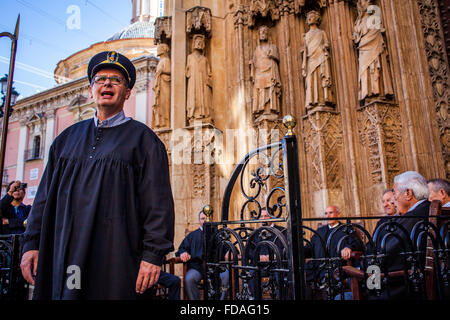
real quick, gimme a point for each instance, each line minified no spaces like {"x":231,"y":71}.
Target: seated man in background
{"x":316,"y":249}
{"x":388,"y":206}
{"x":390,"y":210}
{"x":410,"y":194}
{"x":191,"y":252}
{"x":266,"y":261}
{"x":439,"y":189}
{"x":13,"y":211}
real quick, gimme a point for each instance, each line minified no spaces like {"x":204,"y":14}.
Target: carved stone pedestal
{"x":379,"y":126}
{"x":194,"y":179}
{"x":323,"y":146}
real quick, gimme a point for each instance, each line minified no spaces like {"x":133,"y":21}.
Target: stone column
{"x":21,"y":150}
{"x":178,"y":60}
{"x":142,"y":83}
{"x":49,"y":132}
{"x":340,"y":14}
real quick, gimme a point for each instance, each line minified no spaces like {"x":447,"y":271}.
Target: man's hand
{"x":28,"y":265}
{"x":148,"y":276}
{"x":346,"y":253}
{"x":185,"y":256}
{"x":5,"y":221}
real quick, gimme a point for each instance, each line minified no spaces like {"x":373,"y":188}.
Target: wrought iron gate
{"x":269,"y":262}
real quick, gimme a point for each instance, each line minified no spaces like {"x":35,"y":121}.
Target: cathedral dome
{"x":139,"y":29}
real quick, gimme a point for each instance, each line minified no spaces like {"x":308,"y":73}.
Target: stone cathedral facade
{"x":367,"y":81}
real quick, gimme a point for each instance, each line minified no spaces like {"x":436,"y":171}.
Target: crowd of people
{"x":104,"y":207}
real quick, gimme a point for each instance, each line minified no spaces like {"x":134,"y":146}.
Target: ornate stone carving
{"x":323,"y":146}
{"x":161,"y":87}
{"x":198,"y":73}
{"x":316,"y":65}
{"x":380,"y":134}
{"x":198,"y":18}
{"x":265,"y":8}
{"x":374,"y":79}
{"x":438,"y":69}
{"x":163,"y":30}
{"x":265,"y":76}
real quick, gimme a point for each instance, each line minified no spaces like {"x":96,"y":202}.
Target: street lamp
{"x":7,"y":87}
{"x":4,"y":82}
{"x":14,"y":95}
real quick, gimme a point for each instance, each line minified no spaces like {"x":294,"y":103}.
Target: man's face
{"x":402,"y":199}
{"x":108,"y":95}
{"x":331,"y":212}
{"x":436,"y":195}
{"x":19,"y":194}
{"x":264,"y":215}
{"x":389,"y":204}
{"x":202,"y":219}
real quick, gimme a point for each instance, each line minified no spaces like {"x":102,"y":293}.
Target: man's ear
{"x":128,"y":94}
{"x":90,"y":92}
{"x":409,"y":194}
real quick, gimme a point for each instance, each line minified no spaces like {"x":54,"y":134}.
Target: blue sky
{"x":49,"y":33}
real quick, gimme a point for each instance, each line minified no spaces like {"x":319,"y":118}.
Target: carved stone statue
{"x":199,"y":87}
{"x":265,"y":76}
{"x":161,"y":87}
{"x":316,"y":64}
{"x":373,"y":77}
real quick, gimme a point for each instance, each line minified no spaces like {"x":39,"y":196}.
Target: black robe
{"x":104,"y":204}
{"x":317,"y":248}
{"x":193,"y":244}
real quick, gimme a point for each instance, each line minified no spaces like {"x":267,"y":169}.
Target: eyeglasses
{"x":114,"y":80}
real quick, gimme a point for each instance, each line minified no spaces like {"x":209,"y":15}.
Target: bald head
{"x":332,"y":212}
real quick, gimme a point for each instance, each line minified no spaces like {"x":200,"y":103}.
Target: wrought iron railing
{"x":33,"y":154}
{"x":12,"y":284}
{"x":276,"y":262}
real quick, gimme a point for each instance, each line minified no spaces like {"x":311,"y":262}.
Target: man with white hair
{"x":411,"y":198}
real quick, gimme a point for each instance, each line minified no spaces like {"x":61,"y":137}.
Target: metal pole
{"x":8,"y":92}
{"x":294,"y":217}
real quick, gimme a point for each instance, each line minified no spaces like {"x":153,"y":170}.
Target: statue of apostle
{"x":161,"y":87}
{"x":316,"y":64}
{"x":265,"y":76}
{"x":373,"y":77}
{"x":199,"y":87}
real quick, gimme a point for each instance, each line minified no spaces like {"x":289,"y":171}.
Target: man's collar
{"x":111,"y":121}
{"x":334,"y":226}
{"x":416,"y":204}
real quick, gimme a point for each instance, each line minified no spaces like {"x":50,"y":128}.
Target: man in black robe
{"x":103,"y":217}
{"x":191,"y":252}
{"x":316,"y":271}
